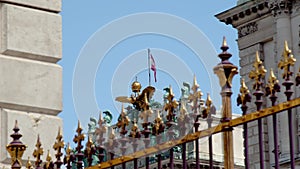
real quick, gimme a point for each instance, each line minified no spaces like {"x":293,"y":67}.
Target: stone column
{"x":282,"y":16}
{"x":31,"y":79}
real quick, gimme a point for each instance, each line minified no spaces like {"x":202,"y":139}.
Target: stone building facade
{"x":263,"y":26}
{"x":31,"y":79}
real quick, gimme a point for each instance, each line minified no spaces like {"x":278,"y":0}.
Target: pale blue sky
{"x":82,"y":19}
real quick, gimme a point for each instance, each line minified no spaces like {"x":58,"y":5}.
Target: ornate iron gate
{"x":97,"y":156}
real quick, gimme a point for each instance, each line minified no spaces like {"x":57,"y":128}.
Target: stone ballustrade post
{"x":31,"y":79}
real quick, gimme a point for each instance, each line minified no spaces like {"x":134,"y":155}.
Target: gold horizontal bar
{"x":200,"y":134}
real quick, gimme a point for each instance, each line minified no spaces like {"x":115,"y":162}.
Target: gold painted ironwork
{"x":28,"y":164}
{"x":48,"y":160}
{"x":258,"y":72}
{"x":203,"y":133}
{"x":134,"y":129}
{"x":171,"y":105}
{"x":111,"y":137}
{"x":124,"y":120}
{"x":89,"y":147}
{"x":102,"y":127}
{"x":196,"y":95}
{"x":287,"y":61}
{"x":158,"y":123}
{"x":79,"y":137}
{"x":16,"y":148}
{"x":140,"y":102}
{"x":244,"y":93}
{"x":38,"y":152}
{"x":68,"y":153}
{"x":272,"y":83}
{"x":208,"y":104}
{"x":59,"y":143}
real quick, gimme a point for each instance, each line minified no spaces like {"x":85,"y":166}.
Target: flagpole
{"x":149,"y":67}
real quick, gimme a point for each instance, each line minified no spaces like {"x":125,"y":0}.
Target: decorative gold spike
{"x":134,"y":129}
{"x":224,"y":41}
{"x":124,"y":120}
{"x":158,"y":124}
{"x":79,"y":137}
{"x":287,"y":61}
{"x":196,"y":95}
{"x":59,"y":144}
{"x":89,"y":146}
{"x":48,"y":160}
{"x":38,"y":152}
{"x":195,"y":84}
{"x":258,"y":73}
{"x":171,"y":105}
{"x":183,"y":111}
{"x":244,"y":91}
{"x":102,"y":127}
{"x":28,"y":164}
{"x":208,"y":104}
{"x":68,"y":153}
{"x":272,"y":80}
{"x":111,"y":137}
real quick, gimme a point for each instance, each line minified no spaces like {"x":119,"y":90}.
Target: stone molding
{"x":247,"y":29}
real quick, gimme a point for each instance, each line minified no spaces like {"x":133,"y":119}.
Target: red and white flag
{"x":153,"y":66}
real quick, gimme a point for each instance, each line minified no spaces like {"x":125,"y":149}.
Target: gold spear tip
{"x":48,"y":158}
{"x":224,"y":41}
{"x":171,"y":90}
{"x":286,"y":47}
{"x":257,"y":57}
{"x":195,"y":80}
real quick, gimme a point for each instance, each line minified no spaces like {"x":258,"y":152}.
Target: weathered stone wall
{"x":31,"y":81}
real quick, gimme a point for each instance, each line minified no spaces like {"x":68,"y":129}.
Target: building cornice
{"x":243,"y":13}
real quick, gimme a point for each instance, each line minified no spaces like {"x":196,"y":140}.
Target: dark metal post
{"x":271,"y":89}
{"x":257,"y":74}
{"x":242,"y":100}
{"x":16,"y":148}
{"x":78,"y":139}
{"x":226,"y":71}
{"x":287,"y":61}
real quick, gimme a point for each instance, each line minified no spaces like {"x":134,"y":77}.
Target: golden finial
{"x":123,"y":120}
{"x":89,"y":146}
{"x":208,"y":104}
{"x":195,"y":84}
{"x":158,"y":124}
{"x":68,"y":152}
{"x":183,"y":111}
{"x":111,"y":137}
{"x":243,"y":91}
{"x":79,"y":137}
{"x":171,"y":105}
{"x":224,"y":41}
{"x":102,"y":127}
{"x":258,"y":72}
{"x":287,"y":61}
{"x":59,"y":144}
{"x":28,"y":164}
{"x":134,"y":129}
{"x":48,"y":160}
{"x":136,"y":86}
{"x":196,"y":95}
{"x":38,"y":152}
{"x":273,"y":84}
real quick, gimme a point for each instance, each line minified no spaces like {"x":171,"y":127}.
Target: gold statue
{"x":141,"y":101}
